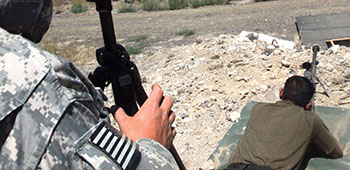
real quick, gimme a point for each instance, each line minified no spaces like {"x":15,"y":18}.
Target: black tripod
{"x":116,"y":68}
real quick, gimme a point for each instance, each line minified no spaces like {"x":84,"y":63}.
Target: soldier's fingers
{"x":173,"y":132}
{"x":169,"y":133}
{"x":120,"y":116}
{"x":170,"y":140}
{"x":166,"y":104}
{"x":156,"y":95}
{"x":171,"y":117}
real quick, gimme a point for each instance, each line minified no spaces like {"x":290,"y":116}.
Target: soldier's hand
{"x":152,"y":121}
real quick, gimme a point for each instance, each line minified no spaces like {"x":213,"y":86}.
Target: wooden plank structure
{"x":325,"y":30}
{"x":339,"y":41}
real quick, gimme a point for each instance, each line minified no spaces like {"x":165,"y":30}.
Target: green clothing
{"x":278,"y":135}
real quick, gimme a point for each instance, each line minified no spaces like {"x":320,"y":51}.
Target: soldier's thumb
{"x":120,"y":116}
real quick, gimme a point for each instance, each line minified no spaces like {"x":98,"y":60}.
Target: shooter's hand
{"x":152,"y":121}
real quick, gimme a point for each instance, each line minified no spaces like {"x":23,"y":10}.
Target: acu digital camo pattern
{"x":57,"y":108}
{"x":155,"y":156}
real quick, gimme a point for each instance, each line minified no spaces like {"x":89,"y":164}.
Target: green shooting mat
{"x":336,"y":119}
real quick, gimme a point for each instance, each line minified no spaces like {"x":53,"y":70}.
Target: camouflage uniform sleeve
{"x":55,"y":104}
{"x":155,"y":156}
{"x":56,"y":107}
{"x":22,"y":68}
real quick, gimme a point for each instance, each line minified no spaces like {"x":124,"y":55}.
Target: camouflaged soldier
{"x":52,"y":117}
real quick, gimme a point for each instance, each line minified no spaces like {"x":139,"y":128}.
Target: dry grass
{"x":136,"y":44}
{"x":79,"y":6}
{"x":58,"y":3}
{"x":126,"y":8}
{"x":73,"y":51}
{"x":185,"y":32}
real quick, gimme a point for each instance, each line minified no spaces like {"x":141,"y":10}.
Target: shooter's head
{"x":299,"y":90}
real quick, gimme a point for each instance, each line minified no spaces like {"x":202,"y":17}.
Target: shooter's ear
{"x":281,"y":93}
{"x":308,"y":106}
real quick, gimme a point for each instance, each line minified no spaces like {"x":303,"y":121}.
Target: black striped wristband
{"x":119,"y":148}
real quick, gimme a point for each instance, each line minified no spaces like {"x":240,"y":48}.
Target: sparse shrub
{"x":155,"y":5}
{"x":79,"y":6}
{"x":213,"y":2}
{"x":199,"y":3}
{"x":209,"y":2}
{"x":137,"y":38}
{"x":164,"y":5}
{"x":220,"y":2}
{"x":177,"y":4}
{"x":136,"y":48}
{"x":79,"y":9}
{"x":124,"y":8}
{"x":195,"y":3}
{"x":136,"y":44}
{"x":150,"y":5}
{"x":185,"y":32}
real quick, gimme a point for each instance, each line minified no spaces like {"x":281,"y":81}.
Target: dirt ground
{"x":222,"y":70}
{"x":276,"y":18}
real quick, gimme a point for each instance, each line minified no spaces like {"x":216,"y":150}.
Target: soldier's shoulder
{"x":22,"y":67}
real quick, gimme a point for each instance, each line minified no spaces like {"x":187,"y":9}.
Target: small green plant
{"x":150,"y":5}
{"x":199,"y":3}
{"x":220,"y":2}
{"x":213,"y":2}
{"x":163,"y":5}
{"x":195,"y":3}
{"x":185,"y":32}
{"x":177,"y":4}
{"x":79,"y":9}
{"x":136,"y":48}
{"x":125,"y":8}
{"x":208,"y":2}
{"x":79,"y":6}
{"x":137,"y":38}
{"x":136,"y":44}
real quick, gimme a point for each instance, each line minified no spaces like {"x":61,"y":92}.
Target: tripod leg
{"x":177,"y":158}
{"x":321,"y":84}
{"x":141,"y":97}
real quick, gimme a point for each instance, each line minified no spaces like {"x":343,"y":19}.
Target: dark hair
{"x":306,"y":65}
{"x":298,"y":90}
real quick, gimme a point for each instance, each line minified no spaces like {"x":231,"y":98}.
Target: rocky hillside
{"x":210,"y":76}
{"x":214,"y":77}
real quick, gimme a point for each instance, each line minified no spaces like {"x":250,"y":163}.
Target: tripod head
{"x":116,"y":67}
